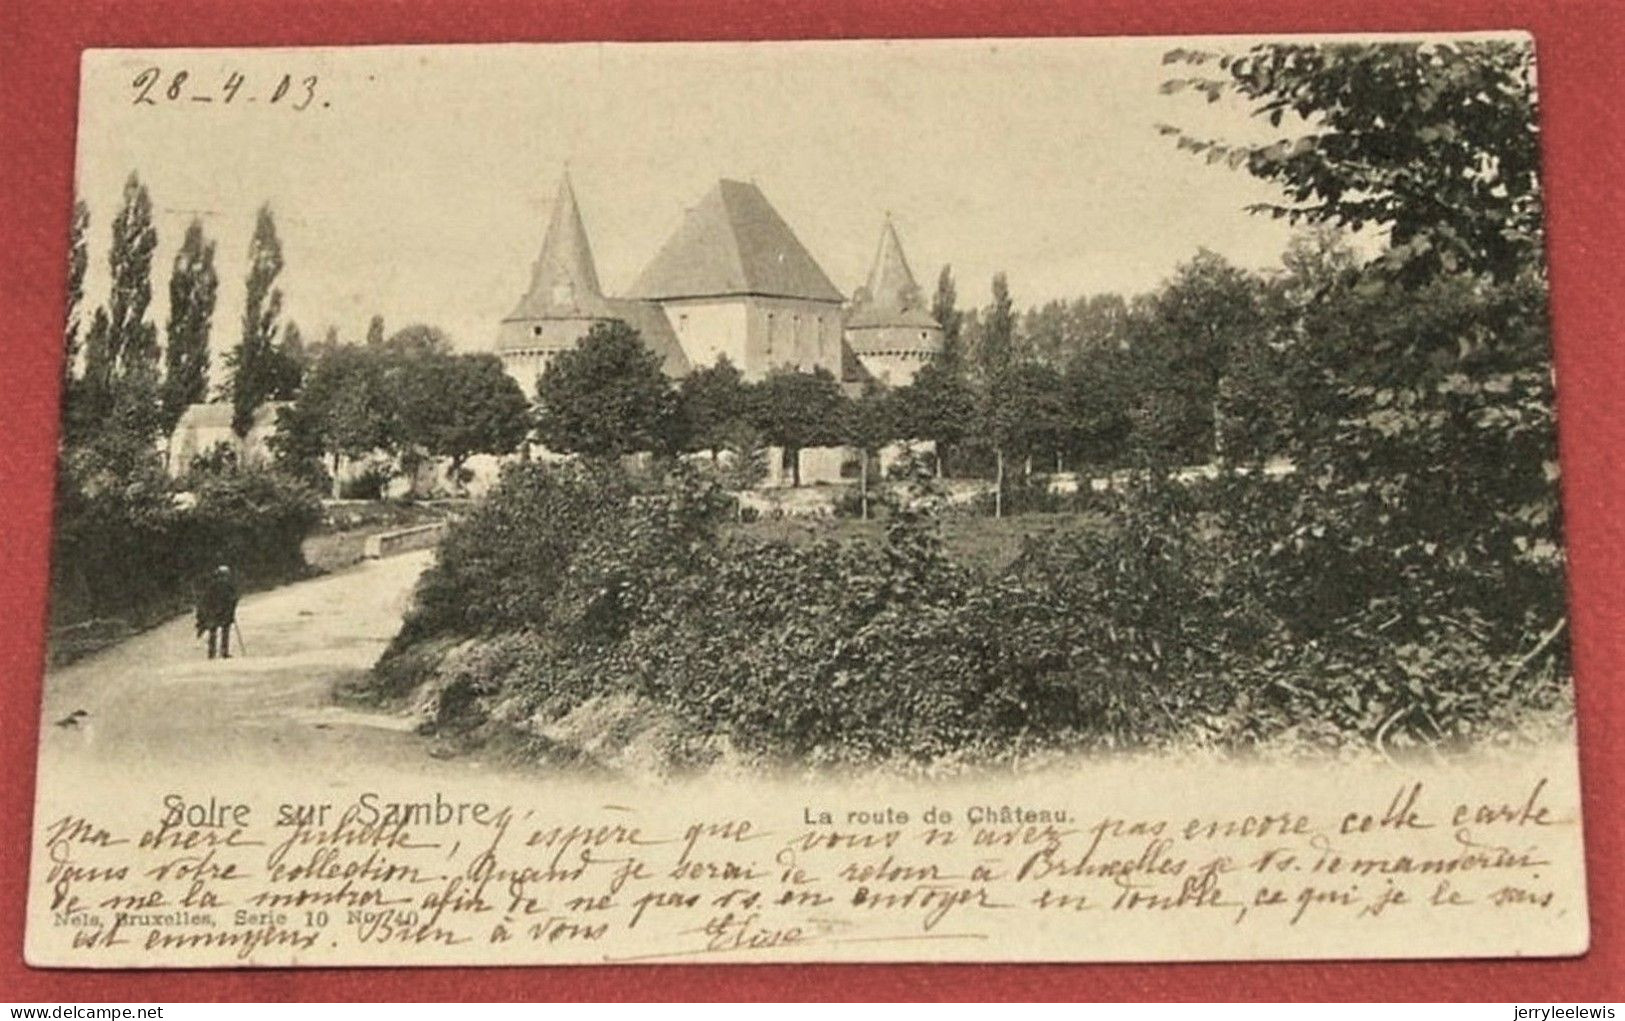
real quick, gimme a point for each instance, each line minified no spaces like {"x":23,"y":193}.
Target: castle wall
{"x":894,"y":355}
{"x":758,"y":334}
{"x":796,"y":334}
{"x":708,"y":328}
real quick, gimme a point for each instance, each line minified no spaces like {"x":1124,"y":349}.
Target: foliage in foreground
{"x":1166,"y":630}
{"x":125,"y":549}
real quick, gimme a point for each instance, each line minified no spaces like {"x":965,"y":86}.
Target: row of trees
{"x":397,"y":403}
{"x":404,"y":395}
{"x":1194,"y":371}
{"x":119,"y":385}
{"x":608,"y":397}
{"x":126,"y":552}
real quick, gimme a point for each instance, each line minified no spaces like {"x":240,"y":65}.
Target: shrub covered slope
{"x":1173,"y":627}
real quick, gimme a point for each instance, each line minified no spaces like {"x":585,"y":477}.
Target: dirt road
{"x":157,"y":701}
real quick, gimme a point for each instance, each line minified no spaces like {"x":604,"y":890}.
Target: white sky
{"x":421,"y":190}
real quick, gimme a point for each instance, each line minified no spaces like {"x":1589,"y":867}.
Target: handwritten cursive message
{"x":214,"y":879}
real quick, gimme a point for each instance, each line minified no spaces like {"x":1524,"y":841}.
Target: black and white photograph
{"x":1065,"y":499}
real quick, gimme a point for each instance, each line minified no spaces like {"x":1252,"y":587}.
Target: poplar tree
{"x":132,"y":340}
{"x":1001,"y":417}
{"x":998,"y":346}
{"x":253,"y":362}
{"x":193,"y":285}
{"x":948,"y":316}
{"x":78,"y":262}
{"x":119,"y":386}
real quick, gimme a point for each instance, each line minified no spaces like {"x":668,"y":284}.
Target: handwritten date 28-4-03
{"x":155,"y":87}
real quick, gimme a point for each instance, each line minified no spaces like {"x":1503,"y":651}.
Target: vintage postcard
{"x":974,"y":500}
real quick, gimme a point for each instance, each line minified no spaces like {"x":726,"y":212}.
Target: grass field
{"x":985,"y":543}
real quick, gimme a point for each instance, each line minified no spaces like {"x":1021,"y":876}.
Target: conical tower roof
{"x":892,"y":297}
{"x":733,"y":243}
{"x":564,"y":280}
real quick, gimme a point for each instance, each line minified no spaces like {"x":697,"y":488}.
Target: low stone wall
{"x":387,"y":544}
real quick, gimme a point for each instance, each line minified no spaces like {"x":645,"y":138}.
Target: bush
{"x":1176,"y":626}
{"x":220,"y":459}
{"x":367,"y":484}
{"x":119,"y":549}
{"x":253,"y":520}
{"x":559,"y":545}
{"x":128,"y":547}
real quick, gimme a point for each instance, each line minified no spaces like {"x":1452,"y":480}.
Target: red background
{"x":1581,"y":48}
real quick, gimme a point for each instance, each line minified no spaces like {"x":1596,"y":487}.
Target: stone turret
{"x":565,"y":300}
{"x":888,"y":326}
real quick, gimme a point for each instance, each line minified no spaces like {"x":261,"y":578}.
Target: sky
{"x":416,"y":182}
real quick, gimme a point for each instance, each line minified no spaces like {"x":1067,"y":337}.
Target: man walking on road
{"x":217,"y":609}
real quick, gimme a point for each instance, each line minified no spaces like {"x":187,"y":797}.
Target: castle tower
{"x":888,"y":326}
{"x":734,"y":281}
{"x":565,"y":300}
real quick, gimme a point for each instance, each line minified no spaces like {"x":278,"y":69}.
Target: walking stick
{"x":241,"y":645}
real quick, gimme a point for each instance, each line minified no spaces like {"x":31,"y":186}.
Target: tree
{"x":1183,"y":338}
{"x":799,"y":409}
{"x":1435,"y":141}
{"x":346,"y":409}
{"x":1020,"y":412}
{"x":256,"y":372}
{"x":455,"y":406}
{"x":330,"y":342}
{"x":938,"y":405}
{"x":949,"y":317}
{"x":416,"y":340}
{"x":299,"y":446}
{"x":1097,"y":323}
{"x":132,"y":340}
{"x":93,"y":397}
{"x":1046,"y":333}
{"x":78,"y":262}
{"x":1423,"y":493}
{"x":1097,"y":394}
{"x":712,"y":401}
{"x":1045,"y":426}
{"x":192,"y":288}
{"x":285,"y":370}
{"x":997,"y":350}
{"x":870,"y":424}
{"x":747,"y":462}
{"x":375,"y":331}
{"x":121,"y":349}
{"x":606,"y":397}
{"x":1254,"y":404}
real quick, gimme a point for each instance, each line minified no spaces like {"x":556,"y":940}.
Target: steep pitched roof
{"x":733,"y":242}
{"x":891,"y":297}
{"x":563,"y":280}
